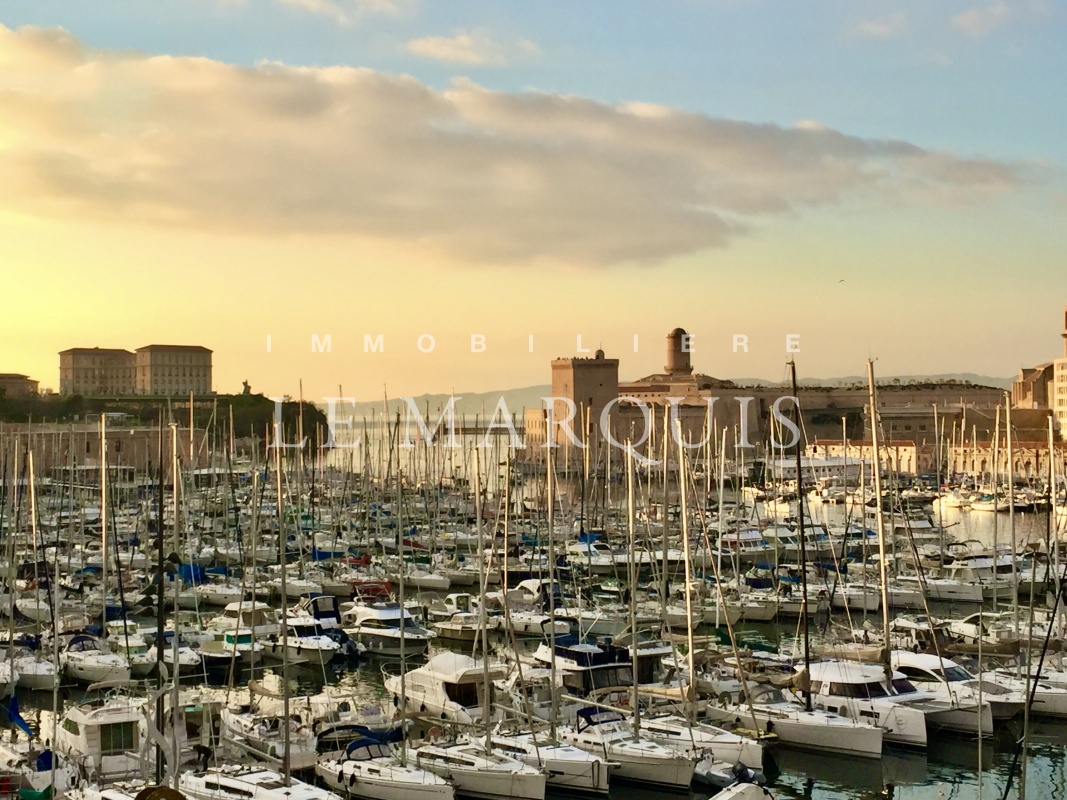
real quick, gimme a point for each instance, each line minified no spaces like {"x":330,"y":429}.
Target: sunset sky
{"x":883,"y":179}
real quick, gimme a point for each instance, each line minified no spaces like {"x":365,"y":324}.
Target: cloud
{"x":884,"y":27}
{"x":476,"y":48}
{"x":978,"y":22}
{"x":345,"y":12}
{"x":466,"y":175}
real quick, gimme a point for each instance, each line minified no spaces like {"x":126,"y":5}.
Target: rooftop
{"x":195,"y":347}
{"x":102,"y":350}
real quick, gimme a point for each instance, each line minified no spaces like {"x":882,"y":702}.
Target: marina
{"x":407,"y":400}
{"x":325,"y":617}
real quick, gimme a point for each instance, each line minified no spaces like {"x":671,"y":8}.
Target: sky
{"x":284,"y":181}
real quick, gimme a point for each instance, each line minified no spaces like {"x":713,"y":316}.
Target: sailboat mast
{"x":550,"y":475}
{"x":996,"y":492}
{"x":722,"y":512}
{"x":631,"y":530}
{"x":103,"y":519}
{"x":283,"y":546}
{"x":1011,"y":520}
{"x":482,"y":621}
{"x":803,"y":543}
{"x":1053,"y":492}
{"x":159,"y":599}
{"x":55,"y":637}
{"x":192,"y":434}
{"x":175,"y":481}
{"x":876,"y":469}
{"x":690,"y":692}
{"x":666,"y":500}
{"x":400,"y":599}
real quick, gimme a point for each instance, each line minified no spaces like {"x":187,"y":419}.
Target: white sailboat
{"x":371,"y":770}
{"x":248,"y":783}
{"x":478,"y":771}
{"x":672,"y":730}
{"x":769,"y":710}
{"x":569,"y":768}
{"x":607,"y":734}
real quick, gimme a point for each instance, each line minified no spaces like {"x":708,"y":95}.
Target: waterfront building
{"x":157,"y":369}
{"x":1045,"y":386}
{"x":131,"y":447}
{"x":96,"y":371}
{"x":1059,"y":384}
{"x":1034,"y":386}
{"x":902,"y":456}
{"x":591,"y":384}
{"x":15,"y":385}
{"x":170,"y":369}
{"x":906,"y":408}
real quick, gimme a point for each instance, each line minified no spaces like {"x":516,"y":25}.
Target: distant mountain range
{"x":961,"y":377}
{"x":470,"y":404}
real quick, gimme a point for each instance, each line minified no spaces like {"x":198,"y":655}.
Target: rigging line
{"x":1033,"y":686}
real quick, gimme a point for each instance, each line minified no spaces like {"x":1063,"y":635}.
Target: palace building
{"x":157,"y":369}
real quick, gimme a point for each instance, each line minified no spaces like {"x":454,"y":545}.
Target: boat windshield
{"x":863,"y":691}
{"x":616,"y":676}
{"x":408,"y":623}
{"x":368,"y":751}
{"x":954,"y":674}
{"x":903,"y":686}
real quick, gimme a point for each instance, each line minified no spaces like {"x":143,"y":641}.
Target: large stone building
{"x":15,"y":385}
{"x":1033,"y":388}
{"x":977,"y":441}
{"x":171,"y":369}
{"x":96,"y":371}
{"x":1045,"y":386}
{"x":708,"y":406}
{"x":158,"y":369}
{"x":134,"y":448}
{"x":590,"y":384}
{"x":1058,"y":401}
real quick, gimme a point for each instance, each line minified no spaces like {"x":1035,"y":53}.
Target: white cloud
{"x":475,"y":47}
{"x":467,"y":175}
{"x":884,"y":27}
{"x":346,"y":12}
{"x":978,"y":22}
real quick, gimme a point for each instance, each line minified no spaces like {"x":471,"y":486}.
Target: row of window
{"x":115,"y":739}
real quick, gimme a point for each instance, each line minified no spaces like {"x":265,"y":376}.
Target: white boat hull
{"x":396,"y":784}
{"x":491,"y":784}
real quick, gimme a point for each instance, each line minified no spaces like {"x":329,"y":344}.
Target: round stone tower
{"x":678,"y":347}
